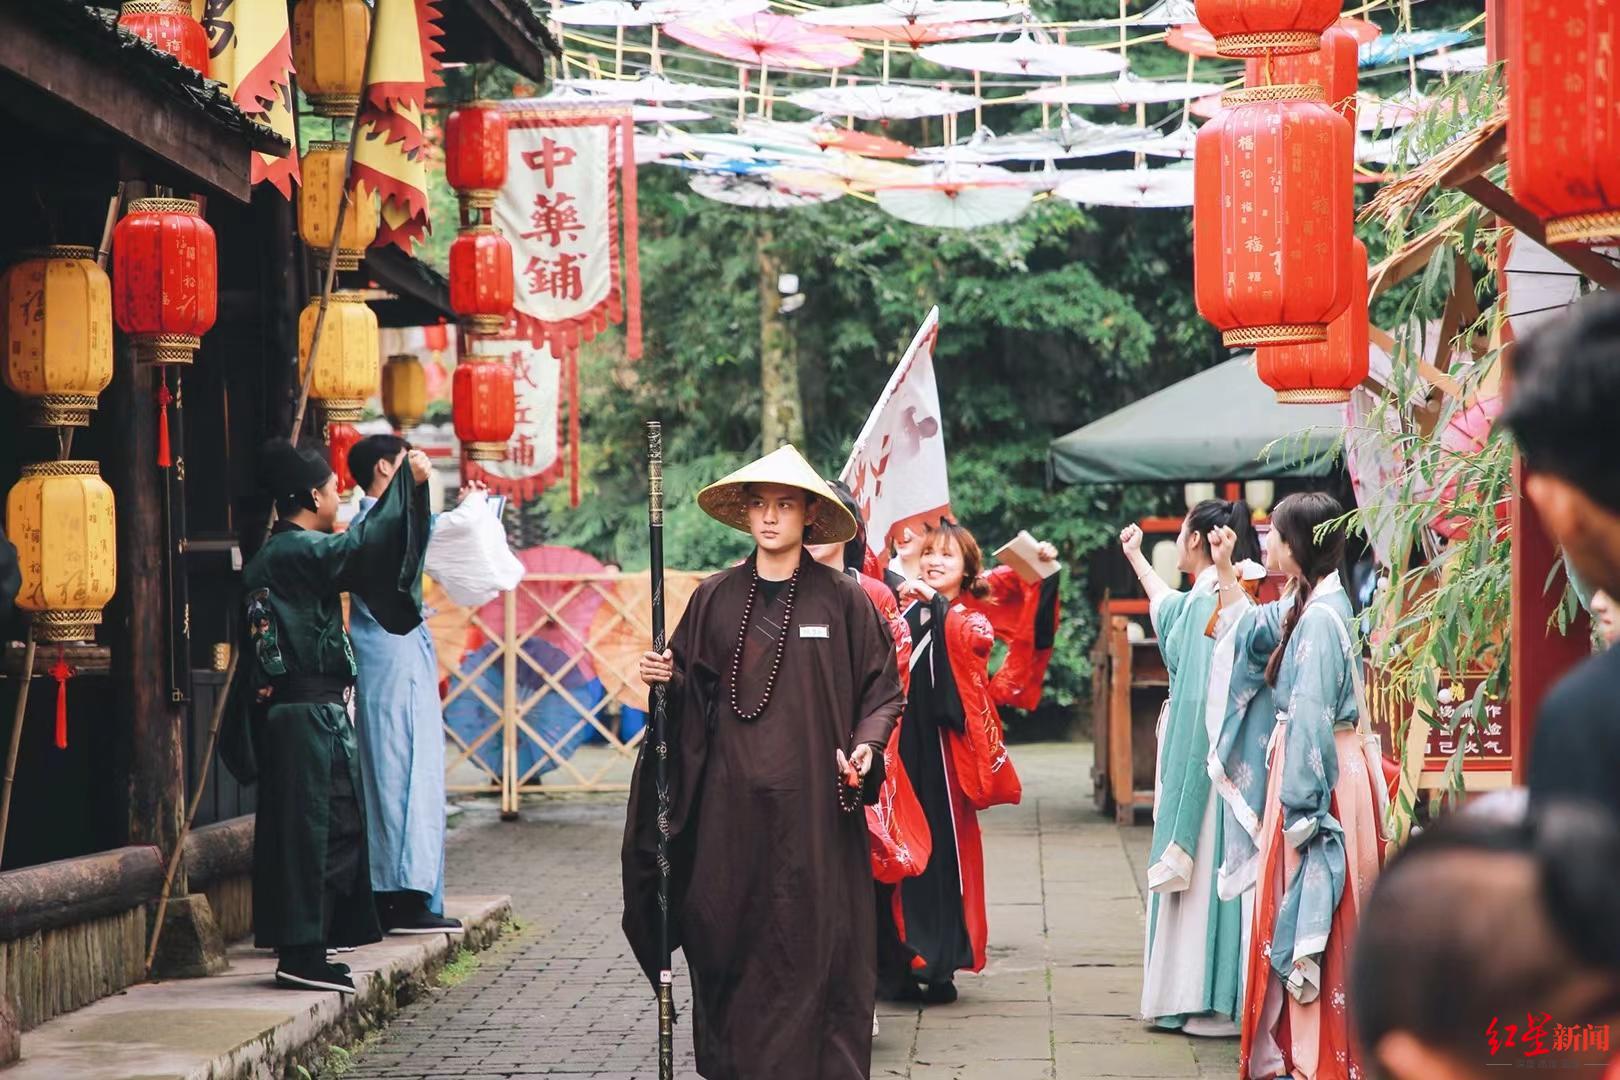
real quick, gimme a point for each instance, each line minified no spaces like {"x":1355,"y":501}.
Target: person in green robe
{"x":1194,"y":952}
{"x":311,"y":882}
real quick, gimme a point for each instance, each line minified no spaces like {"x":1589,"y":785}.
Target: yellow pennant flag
{"x":250,"y":51}
{"x":399,"y":176}
{"x":390,"y":152}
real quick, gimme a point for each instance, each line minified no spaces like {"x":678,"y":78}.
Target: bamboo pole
{"x":218,"y":717}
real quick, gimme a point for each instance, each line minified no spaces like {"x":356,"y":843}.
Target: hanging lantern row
{"x":1272,"y":223}
{"x":346,"y":365}
{"x":1564,"y":129}
{"x":323,"y":168}
{"x":329,"y":53}
{"x":475,"y":153}
{"x":483,"y":405}
{"x":57,"y":336}
{"x":169,"y":26}
{"x":481,"y":285}
{"x":1259,"y":27}
{"x":404,"y":392}
{"x":1325,"y":372}
{"x":1333,"y":67}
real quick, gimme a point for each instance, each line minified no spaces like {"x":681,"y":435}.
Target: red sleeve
{"x":979,"y":754}
{"x":889,"y":608}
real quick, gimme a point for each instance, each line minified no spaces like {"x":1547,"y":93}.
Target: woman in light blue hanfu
{"x":1317,"y":844}
{"x":1193,"y":957}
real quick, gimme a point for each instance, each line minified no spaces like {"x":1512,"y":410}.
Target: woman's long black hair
{"x":1211,"y":514}
{"x":1297,"y":520}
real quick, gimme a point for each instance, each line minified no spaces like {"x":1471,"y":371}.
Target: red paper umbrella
{"x":1193,"y":40}
{"x":771,"y":41}
{"x":1465,"y":435}
{"x":859,"y":142}
{"x":915,"y":35}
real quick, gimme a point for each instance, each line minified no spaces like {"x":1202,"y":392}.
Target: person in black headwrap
{"x":311,"y":883}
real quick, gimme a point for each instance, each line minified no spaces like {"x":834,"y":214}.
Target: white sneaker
{"x":874,"y":1024}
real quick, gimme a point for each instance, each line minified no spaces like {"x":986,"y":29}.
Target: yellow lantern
{"x":56,"y":336}
{"x":404,"y":391}
{"x":61,"y":517}
{"x":318,"y":198}
{"x":346,"y":366}
{"x":329,"y":53}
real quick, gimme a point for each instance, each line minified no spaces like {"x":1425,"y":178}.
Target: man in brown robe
{"x":771,"y":896}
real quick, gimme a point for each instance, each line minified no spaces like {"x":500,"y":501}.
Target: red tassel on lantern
{"x":340,"y":439}
{"x":61,"y":672}
{"x":164,"y":400}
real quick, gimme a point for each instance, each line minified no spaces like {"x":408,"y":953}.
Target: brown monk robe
{"x":772,"y":898}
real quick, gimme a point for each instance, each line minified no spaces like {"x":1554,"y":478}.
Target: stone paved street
{"x":562,"y":996}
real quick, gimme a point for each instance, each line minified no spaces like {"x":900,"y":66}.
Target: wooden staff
{"x":660,"y":733}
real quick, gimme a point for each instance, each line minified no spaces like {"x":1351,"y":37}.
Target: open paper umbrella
{"x":550,"y":716}
{"x":883,"y":102}
{"x":1407,"y":43}
{"x":1537,"y":285}
{"x":843,"y":172}
{"x":716,"y":164}
{"x":1206,"y":107}
{"x":958,"y":196}
{"x":1363,"y":30}
{"x":1073,"y":138}
{"x":1025,"y":56}
{"x":914,"y":22}
{"x":1128,"y":89}
{"x":1168,"y":13}
{"x":821,"y":136}
{"x":1388,"y":114}
{"x":758,"y":192}
{"x":650,"y":12}
{"x":771,"y":41}
{"x":1179,"y":144}
{"x":1192,"y":39}
{"x":915,"y":35}
{"x":1139,"y":187}
{"x":642,"y":114}
{"x":619,"y":639}
{"x":652,"y":88}
{"x":1456,"y":61}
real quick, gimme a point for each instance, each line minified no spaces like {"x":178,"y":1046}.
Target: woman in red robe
{"x":952,"y":750}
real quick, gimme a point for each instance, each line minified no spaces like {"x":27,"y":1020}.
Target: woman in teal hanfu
{"x":1316,"y":848}
{"x":1192,"y":979}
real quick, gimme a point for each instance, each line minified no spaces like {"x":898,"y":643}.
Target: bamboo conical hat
{"x":727,"y":500}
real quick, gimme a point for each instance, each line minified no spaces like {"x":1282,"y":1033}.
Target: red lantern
{"x":1324,"y":373}
{"x":1257,"y":27}
{"x":169,"y":26}
{"x":1272,"y":216}
{"x":1332,"y":67}
{"x":481,"y":278}
{"x":340,"y":439}
{"x":165,"y":278}
{"x":484,"y":407}
{"x":1564,"y":125}
{"x":475,"y":153}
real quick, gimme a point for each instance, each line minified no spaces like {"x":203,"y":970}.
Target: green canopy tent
{"x":1221,"y":424}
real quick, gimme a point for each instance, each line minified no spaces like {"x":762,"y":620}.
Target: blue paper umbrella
{"x":551,"y":716}
{"x":1393,"y":47}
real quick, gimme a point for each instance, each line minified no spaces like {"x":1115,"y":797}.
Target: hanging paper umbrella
{"x":1388,"y":114}
{"x":915,"y":35}
{"x":1179,"y":144}
{"x":651,"y":12}
{"x":1407,"y":43}
{"x":1025,"y":56}
{"x":889,"y":101}
{"x":1128,"y":89}
{"x":653,"y":88}
{"x":1537,"y":284}
{"x":1205,"y":108}
{"x":1363,"y":30}
{"x":1390,"y":150}
{"x":771,"y":41}
{"x":818,"y":135}
{"x":959,"y":197}
{"x":1167,"y":13}
{"x":712,"y":163}
{"x":758,"y":192}
{"x":642,"y":114}
{"x":1456,"y":61}
{"x":1139,"y":187}
{"x":843,"y":172}
{"x":914,"y":22}
{"x":1193,"y":40}
{"x":1073,"y":138}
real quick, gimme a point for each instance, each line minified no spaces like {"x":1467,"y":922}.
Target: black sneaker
{"x":939,"y":993}
{"x":425,"y":922}
{"x":321,"y":976}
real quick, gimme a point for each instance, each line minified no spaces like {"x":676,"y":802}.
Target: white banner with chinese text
{"x":533,"y":456}
{"x":897,"y":468}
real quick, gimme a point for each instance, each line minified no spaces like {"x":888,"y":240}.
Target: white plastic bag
{"x":467,"y":553}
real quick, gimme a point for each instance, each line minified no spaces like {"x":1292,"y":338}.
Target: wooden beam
{"x":160,"y":124}
{"x":57,"y":894}
{"x":1510,"y":210}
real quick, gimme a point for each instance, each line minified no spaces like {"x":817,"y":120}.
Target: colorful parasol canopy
{"x":1128,"y":89}
{"x":1167,"y":13}
{"x":1392,"y":48}
{"x":642,"y":114}
{"x":843,"y":172}
{"x":1456,"y":61}
{"x":774,"y":41}
{"x":818,"y":135}
{"x":913,"y":22}
{"x":1139,"y":187}
{"x":888,"y":101}
{"x":757,"y":192}
{"x":1073,"y":138}
{"x":1025,"y":56}
{"x":916,"y":35}
{"x":652,"y":88}
{"x":958,"y":196}
{"x":651,"y":12}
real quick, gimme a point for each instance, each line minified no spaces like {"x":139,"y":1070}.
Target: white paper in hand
{"x":467,"y":553}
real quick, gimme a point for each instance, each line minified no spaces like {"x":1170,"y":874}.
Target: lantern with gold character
{"x":475,"y":153}
{"x":404,"y":391}
{"x":319,"y":196}
{"x":481,"y":285}
{"x":165,"y":278}
{"x":57,"y":336}
{"x":61,"y":517}
{"x":329,"y":53}
{"x":346,"y":362}
{"x":483,"y":406}
{"x":169,"y":26}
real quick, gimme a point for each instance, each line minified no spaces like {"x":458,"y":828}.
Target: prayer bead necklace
{"x":781,"y":645}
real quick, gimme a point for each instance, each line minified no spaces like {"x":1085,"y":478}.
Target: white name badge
{"x":813,"y":632}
